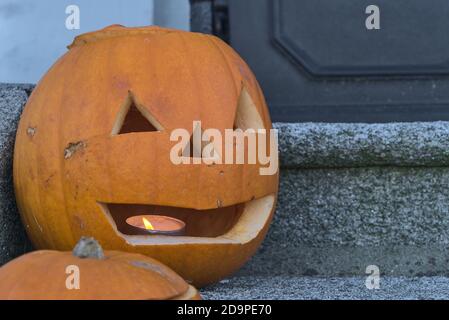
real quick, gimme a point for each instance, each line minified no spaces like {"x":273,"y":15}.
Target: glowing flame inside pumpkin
{"x":147,"y":224}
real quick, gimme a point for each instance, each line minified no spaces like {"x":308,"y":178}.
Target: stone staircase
{"x":351,"y":195}
{"x":354,"y":195}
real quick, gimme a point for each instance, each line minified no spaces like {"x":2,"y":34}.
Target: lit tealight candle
{"x":154,"y":224}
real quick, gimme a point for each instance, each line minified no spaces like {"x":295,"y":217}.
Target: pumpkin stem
{"x":88,"y":248}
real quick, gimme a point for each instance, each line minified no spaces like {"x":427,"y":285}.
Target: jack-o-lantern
{"x":93,"y":145}
{"x":89,"y":273}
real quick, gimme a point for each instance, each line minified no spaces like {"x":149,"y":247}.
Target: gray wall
{"x":33,"y":34}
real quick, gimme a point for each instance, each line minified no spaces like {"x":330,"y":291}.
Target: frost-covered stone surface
{"x":13,"y":241}
{"x":330,"y":145}
{"x":329,"y":288}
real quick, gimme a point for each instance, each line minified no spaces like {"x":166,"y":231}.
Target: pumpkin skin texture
{"x":75,"y":175}
{"x":41,"y":275}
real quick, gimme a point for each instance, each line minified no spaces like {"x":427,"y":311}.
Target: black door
{"x":345,"y":60}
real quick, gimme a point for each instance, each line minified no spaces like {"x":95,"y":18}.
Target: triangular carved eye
{"x":134,"y":118}
{"x":247,"y":116}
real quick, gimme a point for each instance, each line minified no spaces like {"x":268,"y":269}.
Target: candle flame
{"x":147,"y":224}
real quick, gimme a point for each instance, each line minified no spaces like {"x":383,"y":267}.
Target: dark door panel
{"x":316,"y":60}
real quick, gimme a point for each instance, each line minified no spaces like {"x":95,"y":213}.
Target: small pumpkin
{"x":102,"y":275}
{"x":93,"y":147}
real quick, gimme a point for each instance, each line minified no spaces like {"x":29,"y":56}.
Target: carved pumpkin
{"x":93,"y":149}
{"x":91,"y":274}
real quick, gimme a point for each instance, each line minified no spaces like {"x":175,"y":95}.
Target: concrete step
{"x":338,"y":221}
{"x":353,"y":195}
{"x":333,"y":288}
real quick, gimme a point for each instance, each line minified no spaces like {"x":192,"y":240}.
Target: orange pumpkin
{"x":91,"y":274}
{"x":93,"y":147}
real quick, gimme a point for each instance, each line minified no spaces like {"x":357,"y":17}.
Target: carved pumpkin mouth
{"x":238,"y":223}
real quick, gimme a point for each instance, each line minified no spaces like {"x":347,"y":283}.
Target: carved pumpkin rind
{"x":71,"y":171}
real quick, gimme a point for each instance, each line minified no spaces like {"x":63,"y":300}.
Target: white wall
{"x":172,"y":13}
{"x":33,"y":32}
